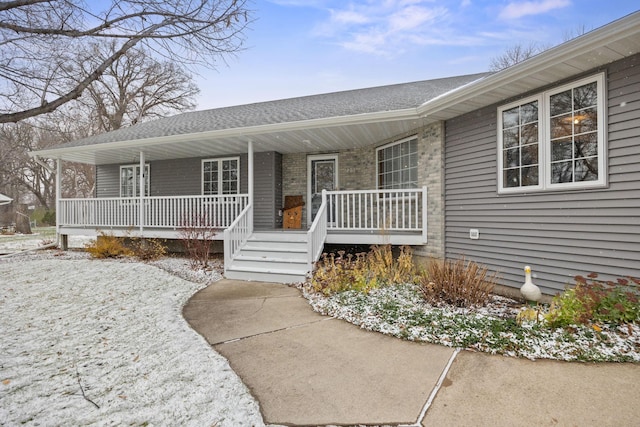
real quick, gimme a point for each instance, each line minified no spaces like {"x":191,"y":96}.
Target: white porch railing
{"x":403,"y":210}
{"x":158,"y":212}
{"x":236,"y":235}
{"x":317,"y":233}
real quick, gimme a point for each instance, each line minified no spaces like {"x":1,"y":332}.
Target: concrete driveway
{"x":308,"y":369}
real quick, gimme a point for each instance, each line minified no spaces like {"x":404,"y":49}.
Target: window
{"x":398,"y":164}
{"x":554,"y":140}
{"x":130,"y":180}
{"x":221,"y":176}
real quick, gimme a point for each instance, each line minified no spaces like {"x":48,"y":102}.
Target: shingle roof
{"x":336,"y":104}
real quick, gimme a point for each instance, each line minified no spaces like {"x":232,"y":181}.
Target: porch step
{"x":279,"y":257}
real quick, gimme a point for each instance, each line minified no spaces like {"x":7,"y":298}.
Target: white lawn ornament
{"x":529,"y":291}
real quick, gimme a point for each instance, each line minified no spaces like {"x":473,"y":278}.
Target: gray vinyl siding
{"x":560,"y":234}
{"x":108,"y":181}
{"x":267,"y":190}
{"x":176,"y":177}
{"x":183,"y":177}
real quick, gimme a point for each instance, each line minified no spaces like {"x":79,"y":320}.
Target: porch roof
{"x":349,"y":119}
{"x":330,"y":121}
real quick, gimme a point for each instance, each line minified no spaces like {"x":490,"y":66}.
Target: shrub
{"x":107,"y":246}
{"x":197,"y":237}
{"x":363,"y":271}
{"x":593,"y":300}
{"x":458,"y":283}
{"x":147,"y":249}
{"x":49,"y":218}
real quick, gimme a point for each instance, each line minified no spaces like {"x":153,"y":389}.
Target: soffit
{"x":321,"y":138}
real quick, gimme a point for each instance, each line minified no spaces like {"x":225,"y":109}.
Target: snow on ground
{"x":114,"y":332}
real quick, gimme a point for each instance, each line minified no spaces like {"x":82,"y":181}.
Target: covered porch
{"x":397,"y":217}
{"x":154,"y":182}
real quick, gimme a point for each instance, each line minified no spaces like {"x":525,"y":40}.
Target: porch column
{"x":250,"y":165}
{"x":58,"y":192}
{"x":62,"y":240}
{"x":142,"y":187}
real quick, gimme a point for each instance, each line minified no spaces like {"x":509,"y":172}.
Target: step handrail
{"x":237,"y":234}
{"x":317,"y":233}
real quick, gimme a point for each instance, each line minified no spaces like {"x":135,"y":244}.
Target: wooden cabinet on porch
{"x":292,"y":216}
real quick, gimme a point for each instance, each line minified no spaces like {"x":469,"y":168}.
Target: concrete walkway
{"x":307,"y":369}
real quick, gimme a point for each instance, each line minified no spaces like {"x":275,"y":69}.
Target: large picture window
{"x":398,"y":165}
{"x":130,"y":180}
{"x":221,"y":176}
{"x":554,"y":140}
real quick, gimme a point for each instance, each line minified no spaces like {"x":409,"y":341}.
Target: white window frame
{"x":136,"y":180}
{"x":219,"y":160}
{"x":401,"y":141}
{"x":544,"y":140}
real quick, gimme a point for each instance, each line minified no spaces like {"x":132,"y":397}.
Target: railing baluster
{"x":370,"y":210}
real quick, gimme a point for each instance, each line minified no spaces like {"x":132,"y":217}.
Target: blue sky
{"x":305,"y":47}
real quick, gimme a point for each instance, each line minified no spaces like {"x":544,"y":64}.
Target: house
{"x":536,"y":164}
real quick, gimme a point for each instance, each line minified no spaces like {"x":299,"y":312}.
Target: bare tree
{"x":137,"y":87}
{"x":575,"y":32}
{"x":519,"y":52}
{"x":133,"y":89}
{"x":21,"y":172}
{"x":40,"y":41}
{"x":513,"y":55}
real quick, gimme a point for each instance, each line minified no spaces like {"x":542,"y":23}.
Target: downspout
{"x":50,"y":245}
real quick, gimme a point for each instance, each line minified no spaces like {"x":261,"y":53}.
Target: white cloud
{"x":349,"y":17}
{"x":383,"y":27}
{"x":515,"y":10}
{"x":414,"y":17}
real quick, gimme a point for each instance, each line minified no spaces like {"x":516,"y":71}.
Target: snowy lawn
{"x":88,"y":342}
{"x":400,"y":311}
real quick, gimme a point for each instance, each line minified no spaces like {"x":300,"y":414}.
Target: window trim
{"x":219,"y":160}
{"x":544,"y":140}
{"x":136,"y":177}
{"x":391,"y":144}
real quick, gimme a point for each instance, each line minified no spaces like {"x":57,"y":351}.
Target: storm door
{"x":323,"y":175}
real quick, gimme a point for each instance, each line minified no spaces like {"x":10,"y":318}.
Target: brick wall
{"x":357,"y":168}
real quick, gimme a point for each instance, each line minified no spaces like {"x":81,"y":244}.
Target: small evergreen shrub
{"x":363,"y":272}
{"x":107,"y":246}
{"x":457,"y":283}
{"x":596,"y":301}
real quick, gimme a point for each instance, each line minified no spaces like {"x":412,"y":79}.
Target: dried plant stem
{"x":82,"y":390}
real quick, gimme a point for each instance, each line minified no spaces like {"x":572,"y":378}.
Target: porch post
{"x":58,"y":192}
{"x":142,"y":187}
{"x":425,"y":218}
{"x":250,"y":166}
{"x":62,"y":240}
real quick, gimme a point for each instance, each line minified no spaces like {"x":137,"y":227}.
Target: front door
{"x":323,"y":175}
